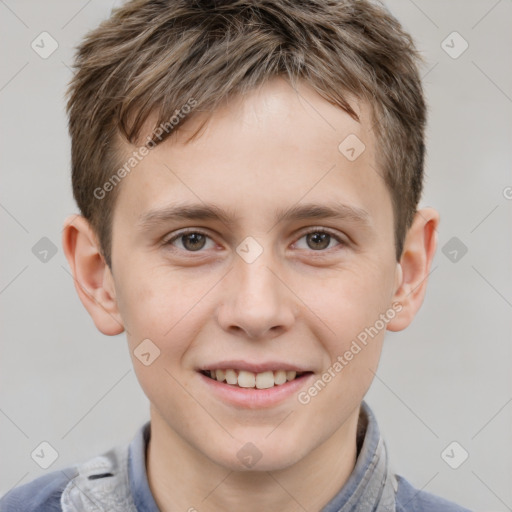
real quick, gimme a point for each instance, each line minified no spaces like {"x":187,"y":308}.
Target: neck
{"x":180,"y":478}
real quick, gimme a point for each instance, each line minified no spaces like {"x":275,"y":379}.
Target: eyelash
{"x":168,"y":242}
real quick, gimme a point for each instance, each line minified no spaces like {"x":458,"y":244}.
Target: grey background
{"x":446,"y":378}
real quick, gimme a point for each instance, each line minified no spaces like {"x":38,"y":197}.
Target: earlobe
{"x":94,"y":282}
{"x":414,"y":267}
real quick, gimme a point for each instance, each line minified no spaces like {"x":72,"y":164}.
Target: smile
{"x":247,"y":379}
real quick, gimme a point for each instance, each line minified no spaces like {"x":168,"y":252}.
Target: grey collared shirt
{"x":117,"y":481}
{"x":365,"y":490}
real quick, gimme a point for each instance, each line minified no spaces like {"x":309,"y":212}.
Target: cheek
{"x":164,"y":306}
{"x":348,"y":301}
{"x":350,"y":304}
{"x":159,"y":306}
{"x":351,"y":333}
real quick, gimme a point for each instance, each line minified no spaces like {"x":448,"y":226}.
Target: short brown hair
{"x":152,"y":56}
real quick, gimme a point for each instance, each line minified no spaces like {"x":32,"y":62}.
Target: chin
{"x":263,"y":455}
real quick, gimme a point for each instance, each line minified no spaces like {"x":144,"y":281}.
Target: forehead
{"x":274,"y":147}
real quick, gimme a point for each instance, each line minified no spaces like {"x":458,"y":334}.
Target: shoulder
{"x":102,"y":480}
{"x":41,"y":494}
{"x":409,"y":499}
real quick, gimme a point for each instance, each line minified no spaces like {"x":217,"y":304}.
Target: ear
{"x":412,"y":276}
{"x":93,"y":279}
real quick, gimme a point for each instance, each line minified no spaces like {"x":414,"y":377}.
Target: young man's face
{"x":254,"y":291}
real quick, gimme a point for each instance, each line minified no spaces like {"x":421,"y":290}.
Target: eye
{"x":319,"y":239}
{"x":192,"y":241}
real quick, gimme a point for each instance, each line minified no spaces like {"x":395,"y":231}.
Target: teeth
{"x":265,"y":380}
{"x":245,"y":379}
{"x":290,"y":375}
{"x":231,"y":377}
{"x":279,"y":377}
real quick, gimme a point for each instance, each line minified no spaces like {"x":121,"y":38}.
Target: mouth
{"x":252,"y":380}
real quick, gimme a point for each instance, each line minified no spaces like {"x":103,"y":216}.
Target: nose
{"x":257,"y":303}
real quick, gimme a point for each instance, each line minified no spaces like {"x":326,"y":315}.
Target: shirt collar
{"x":370,"y":486}
{"x":139,"y":485}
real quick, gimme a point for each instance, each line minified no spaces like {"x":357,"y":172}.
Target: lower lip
{"x":253,"y":398}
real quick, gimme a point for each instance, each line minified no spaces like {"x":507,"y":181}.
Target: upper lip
{"x":269,"y":366}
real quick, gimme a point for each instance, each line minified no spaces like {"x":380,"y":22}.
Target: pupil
{"x":195,"y":237}
{"x":322,"y":238}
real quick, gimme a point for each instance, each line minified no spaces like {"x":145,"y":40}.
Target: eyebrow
{"x":204,"y":211}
